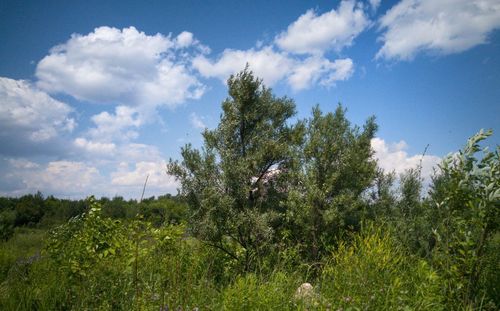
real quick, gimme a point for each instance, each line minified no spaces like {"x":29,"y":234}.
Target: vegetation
{"x":266,"y":205}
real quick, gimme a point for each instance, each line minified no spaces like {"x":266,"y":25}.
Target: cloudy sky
{"x":96,"y":95}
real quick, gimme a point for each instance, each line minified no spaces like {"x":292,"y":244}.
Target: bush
{"x":466,"y":217}
{"x":375,"y":273}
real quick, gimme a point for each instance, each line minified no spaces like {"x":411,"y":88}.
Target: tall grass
{"x":374,"y":272}
{"x":170,"y":270}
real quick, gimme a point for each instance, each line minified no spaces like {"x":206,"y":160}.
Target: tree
{"x":337,"y":167}
{"x":410,"y":220}
{"x":382,"y":197}
{"x":235,"y":182}
{"x":30,"y":209}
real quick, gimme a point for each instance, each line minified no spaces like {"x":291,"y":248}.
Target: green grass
{"x":25,"y":243}
{"x":371,"y":272}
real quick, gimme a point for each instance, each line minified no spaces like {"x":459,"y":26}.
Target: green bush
{"x":466,"y":217}
{"x":375,"y":273}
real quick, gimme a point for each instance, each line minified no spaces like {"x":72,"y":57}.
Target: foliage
{"x":375,"y":273}
{"x":337,"y":167}
{"x":250,"y":292}
{"x":30,"y":209}
{"x":37,"y":211}
{"x":7,"y":223}
{"x":234,"y":184}
{"x":382,"y":197}
{"x":86,"y":240}
{"x":466,"y":196}
{"x":271,"y":204}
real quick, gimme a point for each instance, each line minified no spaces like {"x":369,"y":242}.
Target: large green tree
{"x":235,"y":182}
{"x":337,"y":167}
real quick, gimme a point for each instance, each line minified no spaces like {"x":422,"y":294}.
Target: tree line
{"x":37,"y":211}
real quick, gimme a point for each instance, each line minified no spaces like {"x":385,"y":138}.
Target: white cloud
{"x":445,"y":26}
{"x":57,"y":177}
{"x":125,"y":66}
{"x":310,"y":34}
{"x":273,"y":66}
{"x":316,"y":69}
{"x":133,"y":177}
{"x":121,"y":125}
{"x":333,"y":30}
{"x":31,"y":115}
{"x":21,"y":163}
{"x":95,"y":147}
{"x":121,"y":172}
{"x":139,"y":152}
{"x":184,"y":39}
{"x":196,"y":121}
{"x":393,"y":157}
{"x":266,"y":63}
{"x":111,"y":136}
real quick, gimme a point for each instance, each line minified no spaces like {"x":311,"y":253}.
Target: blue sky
{"x":95,"y":95}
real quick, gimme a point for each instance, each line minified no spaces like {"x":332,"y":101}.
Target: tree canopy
{"x":239,"y":183}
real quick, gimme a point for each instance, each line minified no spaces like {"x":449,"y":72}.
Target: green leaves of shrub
{"x":466,"y":196}
{"x":85,"y":240}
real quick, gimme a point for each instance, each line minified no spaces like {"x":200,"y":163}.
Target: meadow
{"x":265,"y":206}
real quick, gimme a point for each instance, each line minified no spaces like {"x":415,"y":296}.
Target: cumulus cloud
{"x":275,"y":66}
{"x":120,"y":125}
{"x":132,"y":164}
{"x":445,"y":27}
{"x":125,"y":66}
{"x":30,"y":115}
{"x":133,"y":176}
{"x":393,"y":157}
{"x":317,"y":69}
{"x":112,"y":134}
{"x":93,"y":147}
{"x":312,"y":35}
{"x":266,"y":63}
{"x":316,"y":34}
{"x":121,"y":172}
{"x":66,"y":178}
{"x":139,"y":152}
{"x":186,"y":39}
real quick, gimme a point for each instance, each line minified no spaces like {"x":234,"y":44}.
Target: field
{"x":264,"y":207}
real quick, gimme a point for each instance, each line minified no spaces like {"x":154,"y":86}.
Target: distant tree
{"x":382,"y":196}
{"x":7,"y":217}
{"x":409,"y":216}
{"x":7,"y":221}
{"x":235,"y":182}
{"x":30,"y":209}
{"x":164,"y":210}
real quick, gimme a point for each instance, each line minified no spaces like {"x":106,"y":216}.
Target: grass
{"x":372,"y":273}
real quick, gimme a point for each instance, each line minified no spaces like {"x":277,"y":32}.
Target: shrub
{"x":466,"y":217}
{"x":375,"y":273}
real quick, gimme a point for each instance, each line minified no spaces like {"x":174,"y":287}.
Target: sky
{"x":97,"y":95}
